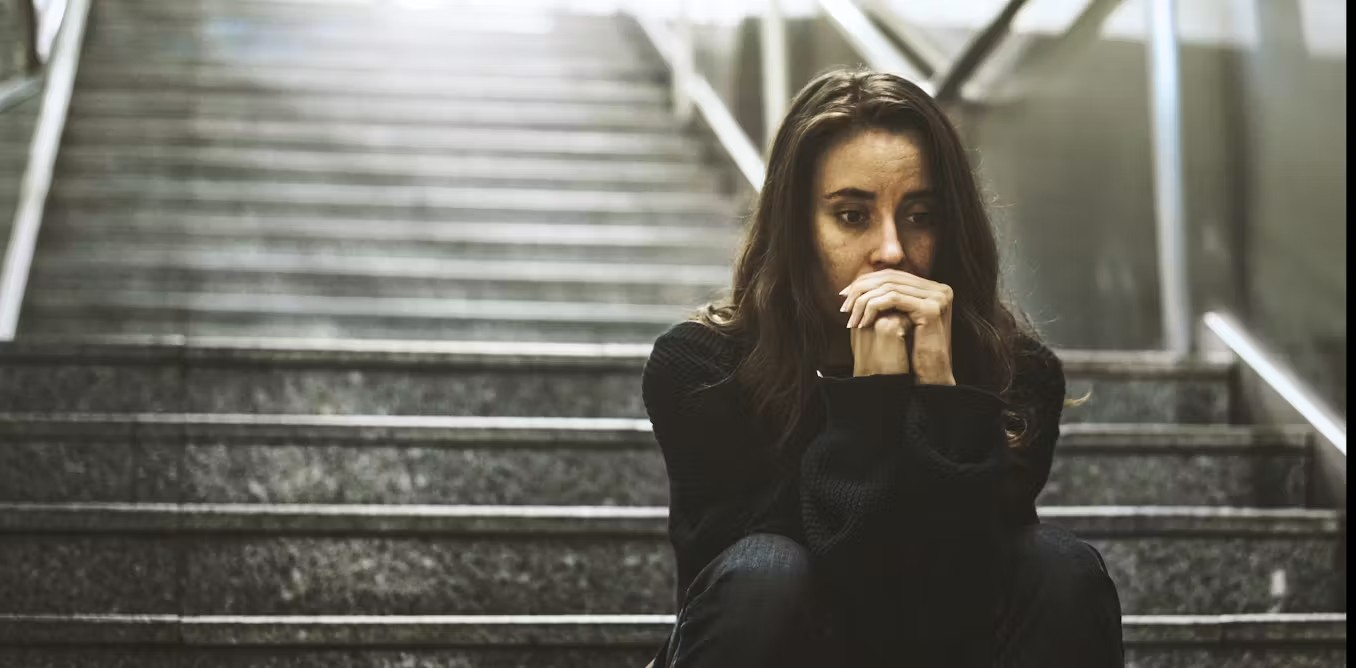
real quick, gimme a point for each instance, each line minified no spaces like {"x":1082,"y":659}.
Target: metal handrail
{"x":691,"y":88}
{"x":37,"y":179}
{"x":1281,"y":379}
{"x":870,"y":43}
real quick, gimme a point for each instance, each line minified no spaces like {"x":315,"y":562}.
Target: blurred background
{"x":308,"y":304}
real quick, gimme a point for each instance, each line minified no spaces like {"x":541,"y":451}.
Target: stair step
{"x":454,"y":21}
{"x":491,"y":377}
{"x":72,"y":228}
{"x":346,"y":60}
{"x":446,"y":203}
{"x":353,"y":108}
{"x":390,"y":85}
{"x":367,"y":137}
{"x":126,"y":269}
{"x":250,"y":458}
{"x":349,"y":559}
{"x":1281,"y":640}
{"x":243,"y":164}
{"x":397,"y":43}
{"x":255,"y":315}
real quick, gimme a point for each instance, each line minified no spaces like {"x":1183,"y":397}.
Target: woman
{"x":855,"y":437}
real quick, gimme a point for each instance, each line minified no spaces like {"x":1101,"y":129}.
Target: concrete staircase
{"x":272,"y":169}
{"x":480,"y":227}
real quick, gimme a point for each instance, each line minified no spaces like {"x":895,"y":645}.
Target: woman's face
{"x":873,"y":208}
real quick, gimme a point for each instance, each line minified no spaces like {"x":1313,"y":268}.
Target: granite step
{"x":372,"y":168}
{"x":72,"y":228}
{"x":346,"y":107}
{"x":375,"y":459}
{"x":361,"y":63}
{"x":369,"y":137}
{"x":396,"y":42}
{"x":377,"y":559}
{"x":565,"y":641}
{"x":452,"y":21}
{"x":175,"y":374}
{"x":399,"y":85}
{"x":126,"y":268}
{"x":248,"y":315}
{"x":265,"y":197}
{"x":231,"y":20}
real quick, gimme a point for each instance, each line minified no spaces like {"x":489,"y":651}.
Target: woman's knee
{"x":1060,"y":567}
{"x":762,"y":569}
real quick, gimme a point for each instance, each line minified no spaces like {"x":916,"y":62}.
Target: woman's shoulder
{"x":689,"y":356}
{"x":1036,"y":363}
{"x":694,"y":343}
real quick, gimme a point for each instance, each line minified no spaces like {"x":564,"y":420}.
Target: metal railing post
{"x":28,"y":17}
{"x":1166,"y":112}
{"x":683,"y":63}
{"x":42,"y":153}
{"x":775,"y":92}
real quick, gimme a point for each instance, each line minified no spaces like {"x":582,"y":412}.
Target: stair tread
{"x":612,"y":433}
{"x":341,"y":352}
{"x":545,"y":521}
{"x":550,"y":630}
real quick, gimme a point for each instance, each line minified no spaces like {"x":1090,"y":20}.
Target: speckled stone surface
{"x":503,"y":574}
{"x":1147,"y":400}
{"x":428,"y":285}
{"x":42,"y":574}
{"x":1211,"y":575}
{"x":88,"y":469}
{"x":1188,"y":479}
{"x":155,"y":387}
{"x":556,"y":657}
{"x":1269,"y":657}
{"x":355,"y":387}
{"x":77,"y":321}
{"x":418,"y":575}
{"x":349,"y":474}
{"x":1237,"y":657}
{"x":269,"y":459}
{"x":556,"y":393}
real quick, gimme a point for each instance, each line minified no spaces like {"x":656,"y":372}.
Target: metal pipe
{"x":1170,"y":213}
{"x":28,"y":18}
{"x":704,"y":98}
{"x":684,"y":67}
{"x":775,"y":92}
{"x":913,"y":43}
{"x":1281,"y":380}
{"x":950,"y":83}
{"x":873,"y":46}
{"x":37,"y":181}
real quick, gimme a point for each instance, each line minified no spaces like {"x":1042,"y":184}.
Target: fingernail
{"x":843,"y":291}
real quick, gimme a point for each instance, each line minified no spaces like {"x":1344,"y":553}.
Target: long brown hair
{"x":772,"y":305}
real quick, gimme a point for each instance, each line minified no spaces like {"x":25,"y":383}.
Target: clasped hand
{"x":888,"y":309}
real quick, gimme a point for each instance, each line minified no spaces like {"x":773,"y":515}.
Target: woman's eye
{"x":921,"y":218}
{"x":852,"y":217}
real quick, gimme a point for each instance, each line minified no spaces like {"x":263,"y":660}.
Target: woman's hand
{"x":883,"y":346}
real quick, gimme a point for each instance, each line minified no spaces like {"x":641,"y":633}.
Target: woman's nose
{"x":888,"y":251}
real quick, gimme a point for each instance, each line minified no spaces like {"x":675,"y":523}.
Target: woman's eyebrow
{"x":923,"y":193}
{"x":851,"y":193}
{"x":858,"y":193}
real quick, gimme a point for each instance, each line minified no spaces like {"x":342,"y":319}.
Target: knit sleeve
{"x":720,"y":489}
{"x":894,"y":459}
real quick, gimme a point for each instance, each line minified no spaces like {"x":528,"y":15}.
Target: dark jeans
{"x":758,"y":604}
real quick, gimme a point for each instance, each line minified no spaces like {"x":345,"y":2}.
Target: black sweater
{"x":898,"y":489}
